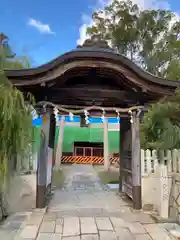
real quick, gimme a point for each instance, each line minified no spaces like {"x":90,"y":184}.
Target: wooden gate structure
{"x":95,"y":75}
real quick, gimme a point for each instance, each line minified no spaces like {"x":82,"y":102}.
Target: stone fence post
{"x":164,"y":192}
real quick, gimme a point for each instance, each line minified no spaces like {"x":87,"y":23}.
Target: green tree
{"x":15,"y":116}
{"x":8,"y":59}
{"x":160,"y":128}
{"x":148,"y":37}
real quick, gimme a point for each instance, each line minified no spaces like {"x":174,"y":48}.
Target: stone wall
{"x":162,"y":193}
{"x":161,"y":181}
{"x":21,"y":193}
{"x":150,"y":187}
{"x":174,"y":197}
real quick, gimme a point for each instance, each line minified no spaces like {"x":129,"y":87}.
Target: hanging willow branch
{"x":15,"y":124}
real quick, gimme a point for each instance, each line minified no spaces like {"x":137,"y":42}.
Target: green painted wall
{"x":114,"y":141}
{"x":73,"y":134}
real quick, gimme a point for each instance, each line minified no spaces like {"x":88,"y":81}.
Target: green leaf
{"x":15,"y":114}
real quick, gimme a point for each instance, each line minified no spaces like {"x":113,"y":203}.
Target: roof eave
{"x":88,"y":53}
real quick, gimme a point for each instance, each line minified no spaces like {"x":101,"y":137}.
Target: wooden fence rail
{"x":151,"y":159}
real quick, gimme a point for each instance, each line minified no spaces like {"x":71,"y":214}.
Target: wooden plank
{"x":127,"y":170}
{"x":122,"y":138}
{"x":127,"y":189}
{"x":136,"y":162}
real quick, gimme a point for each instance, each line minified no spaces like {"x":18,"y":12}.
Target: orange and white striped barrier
{"x":86,"y":159}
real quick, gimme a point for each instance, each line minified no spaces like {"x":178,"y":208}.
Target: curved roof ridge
{"x":94,"y":53}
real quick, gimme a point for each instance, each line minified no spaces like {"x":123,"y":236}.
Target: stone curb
{"x":44,"y":210}
{"x":174,"y":235}
{"x":173,"y":230}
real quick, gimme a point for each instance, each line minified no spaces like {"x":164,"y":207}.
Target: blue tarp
{"x":38,"y":121}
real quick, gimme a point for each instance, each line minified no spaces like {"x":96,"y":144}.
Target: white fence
{"x":160,"y":173}
{"x":151,"y":159}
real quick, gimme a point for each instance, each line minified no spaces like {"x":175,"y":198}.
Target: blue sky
{"x":45,"y":29}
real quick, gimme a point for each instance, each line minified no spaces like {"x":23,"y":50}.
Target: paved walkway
{"x":86,"y":210}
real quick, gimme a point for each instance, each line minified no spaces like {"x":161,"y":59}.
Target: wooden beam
{"x":81,"y":96}
{"x":136,"y":162}
{"x":88,"y":92}
{"x":90,"y":101}
{"x":122,"y":139}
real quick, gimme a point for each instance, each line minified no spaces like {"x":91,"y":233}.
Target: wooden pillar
{"x":121,"y":149}
{"x":106,"y":145}
{"x":60,"y":143}
{"x":42,"y":162}
{"x":45,"y":155}
{"x":51,"y":143}
{"x":136,"y":161}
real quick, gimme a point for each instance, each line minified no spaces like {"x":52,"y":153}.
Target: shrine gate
{"x":93,"y":80}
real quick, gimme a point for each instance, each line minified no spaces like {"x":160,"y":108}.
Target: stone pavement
{"x":9,"y":228}
{"x":86,"y":210}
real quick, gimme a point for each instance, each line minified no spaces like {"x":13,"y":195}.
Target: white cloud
{"x":143,"y":4}
{"x":87,"y":21}
{"x":43,"y":28}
